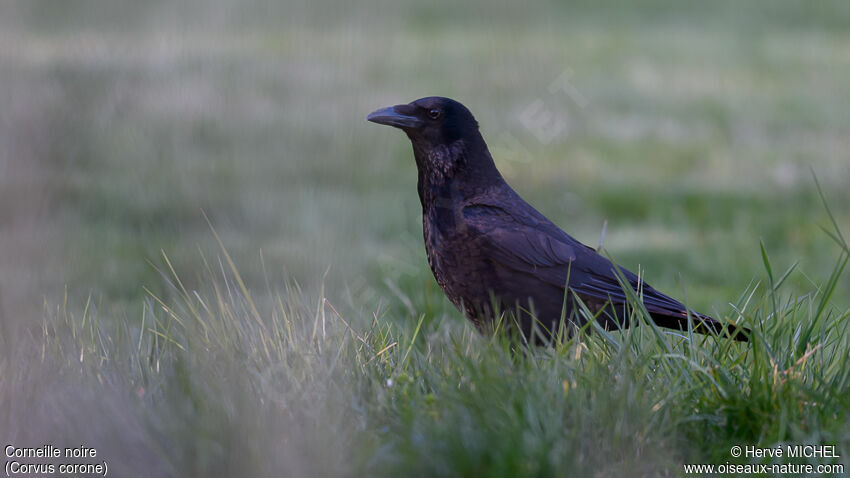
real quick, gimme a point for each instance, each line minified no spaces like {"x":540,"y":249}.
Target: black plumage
{"x":488,"y":248}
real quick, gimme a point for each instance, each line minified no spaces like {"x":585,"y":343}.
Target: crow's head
{"x":430,"y":121}
{"x":446,"y":142}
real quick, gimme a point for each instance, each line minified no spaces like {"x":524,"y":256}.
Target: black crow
{"x":491,"y":251}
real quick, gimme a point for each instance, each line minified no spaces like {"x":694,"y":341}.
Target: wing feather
{"x":533,"y":245}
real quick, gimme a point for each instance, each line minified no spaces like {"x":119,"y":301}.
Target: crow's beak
{"x":391,"y":116}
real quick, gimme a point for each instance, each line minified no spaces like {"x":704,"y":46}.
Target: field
{"x":212,"y":265}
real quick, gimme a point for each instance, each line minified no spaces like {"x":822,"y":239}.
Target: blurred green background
{"x":689,"y":126}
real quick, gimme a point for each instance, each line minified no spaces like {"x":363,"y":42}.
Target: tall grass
{"x":212,"y":382}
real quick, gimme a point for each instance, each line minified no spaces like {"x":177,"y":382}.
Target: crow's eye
{"x":434,"y":113}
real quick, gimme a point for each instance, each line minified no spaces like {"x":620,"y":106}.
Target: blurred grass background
{"x":689,"y":127}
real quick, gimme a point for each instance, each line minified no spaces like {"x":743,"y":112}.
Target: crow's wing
{"x":523,"y":241}
{"x":527,"y":242}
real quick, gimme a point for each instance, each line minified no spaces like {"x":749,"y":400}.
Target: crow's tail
{"x":702,"y":324}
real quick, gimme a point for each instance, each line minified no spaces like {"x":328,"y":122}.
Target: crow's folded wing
{"x":530,"y":244}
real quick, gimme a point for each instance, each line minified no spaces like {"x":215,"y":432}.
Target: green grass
{"x":693,"y":136}
{"x":214,"y":382}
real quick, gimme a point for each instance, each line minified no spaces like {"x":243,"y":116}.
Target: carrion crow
{"x":491,"y":251}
